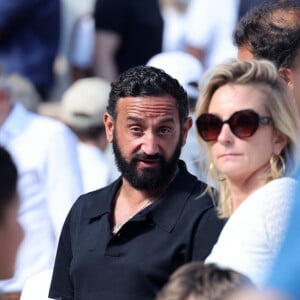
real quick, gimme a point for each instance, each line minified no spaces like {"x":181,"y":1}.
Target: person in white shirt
{"x":44,"y":151}
{"x":249,"y":121}
{"x":173,"y":13}
{"x":82,"y":108}
{"x":37,"y":286}
{"x":209,"y":27}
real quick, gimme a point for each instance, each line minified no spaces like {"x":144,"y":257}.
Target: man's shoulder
{"x":201,"y":197}
{"x":197,"y":191}
{"x":95,"y":201}
{"x":189,"y":181}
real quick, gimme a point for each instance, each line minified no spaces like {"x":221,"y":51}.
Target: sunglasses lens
{"x":244,"y":123}
{"x":209,"y":127}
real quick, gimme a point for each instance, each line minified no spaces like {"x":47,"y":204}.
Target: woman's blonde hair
{"x":278,"y":101}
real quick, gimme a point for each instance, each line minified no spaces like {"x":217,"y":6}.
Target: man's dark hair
{"x":8,"y":180}
{"x":144,"y":81}
{"x":272,"y":31}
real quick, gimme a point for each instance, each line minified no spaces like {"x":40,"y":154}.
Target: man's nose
{"x":150,"y":144}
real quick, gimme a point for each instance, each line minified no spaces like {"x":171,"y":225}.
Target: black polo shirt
{"x":93,"y":264}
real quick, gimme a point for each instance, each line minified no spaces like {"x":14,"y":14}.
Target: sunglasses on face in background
{"x":243,"y":123}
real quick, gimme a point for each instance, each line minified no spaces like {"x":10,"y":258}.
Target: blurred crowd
{"x":57,"y":61}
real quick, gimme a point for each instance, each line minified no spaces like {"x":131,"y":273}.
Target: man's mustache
{"x":144,"y":156}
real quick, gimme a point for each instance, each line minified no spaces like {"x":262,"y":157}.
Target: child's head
{"x":198,"y":281}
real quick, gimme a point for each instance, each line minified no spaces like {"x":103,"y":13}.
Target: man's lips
{"x":149,"y":162}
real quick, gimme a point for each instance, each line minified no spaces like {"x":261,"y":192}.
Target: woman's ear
{"x":279,"y":142}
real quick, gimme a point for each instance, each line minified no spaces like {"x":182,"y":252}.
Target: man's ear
{"x":287,"y":75}
{"x":109,"y":126}
{"x":186,"y":127}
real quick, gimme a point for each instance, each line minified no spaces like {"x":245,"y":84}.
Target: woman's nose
{"x":225,"y":136}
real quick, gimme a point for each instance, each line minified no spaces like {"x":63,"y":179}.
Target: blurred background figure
{"x":198,"y":281}
{"x":250,"y":294}
{"x":37,"y":286}
{"x":29,"y":40}
{"x":11,"y":233}
{"x":83,"y":106}
{"x":128,"y":33}
{"x":208,"y":30}
{"x":71,"y":12}
{"x":246,"y":5}
{"x":174,"y":12}
{"x":82,"y":46}
{"x":272,"y":31}
{"x":188,"y":71}
{"x":44,"y":151}
{"x":249,"y":121}
{"x":24,"y":91}
{"x":76,"y":40}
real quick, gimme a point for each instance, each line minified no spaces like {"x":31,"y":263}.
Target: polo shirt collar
{"x":103,"y":200}
{"x":165,"y":212}
{"x":168,"y":209}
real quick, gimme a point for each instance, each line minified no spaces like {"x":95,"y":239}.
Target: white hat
{"x":181,"y":65}
{"x":84,"y":103}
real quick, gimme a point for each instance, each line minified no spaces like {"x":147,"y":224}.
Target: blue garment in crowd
{"x":29,"y":37}
{"x":285,"y":275}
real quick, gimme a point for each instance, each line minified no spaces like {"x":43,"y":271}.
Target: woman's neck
{"x":240,"y":189}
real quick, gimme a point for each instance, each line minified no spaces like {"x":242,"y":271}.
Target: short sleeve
{"x":111,"y":15}
{"x":61,"y":286}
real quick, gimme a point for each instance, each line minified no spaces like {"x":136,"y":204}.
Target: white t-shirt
{"x":209,"y":25}
{"x":37,"y":287}
{"x":95,"y":169}
{"x":253,"y":234}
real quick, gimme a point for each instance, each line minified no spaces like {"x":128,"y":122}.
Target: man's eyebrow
{"x":134,"y":119}
{"x":140,"y":119}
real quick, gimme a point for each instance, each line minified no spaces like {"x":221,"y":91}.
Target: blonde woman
{"x":250,"y":125}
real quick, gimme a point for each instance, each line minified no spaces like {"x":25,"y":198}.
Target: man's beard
{"x":147,"y":179}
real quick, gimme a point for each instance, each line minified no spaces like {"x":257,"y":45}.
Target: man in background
{"x":29,"y":39}
{"x":272,"y":31}
{"x":82,"y":109}
{"x":44,"y":151}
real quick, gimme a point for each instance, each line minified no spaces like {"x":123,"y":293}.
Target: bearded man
{"x":123,"y":241}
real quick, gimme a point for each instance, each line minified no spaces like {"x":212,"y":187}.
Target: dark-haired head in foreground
{"x":10,"y":230}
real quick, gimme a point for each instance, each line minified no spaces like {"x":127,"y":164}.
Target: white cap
{"x":181,"y":65}
{"x":84,"y":103}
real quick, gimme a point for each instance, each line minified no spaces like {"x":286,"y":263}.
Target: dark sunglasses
{"x":243,"y":123}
